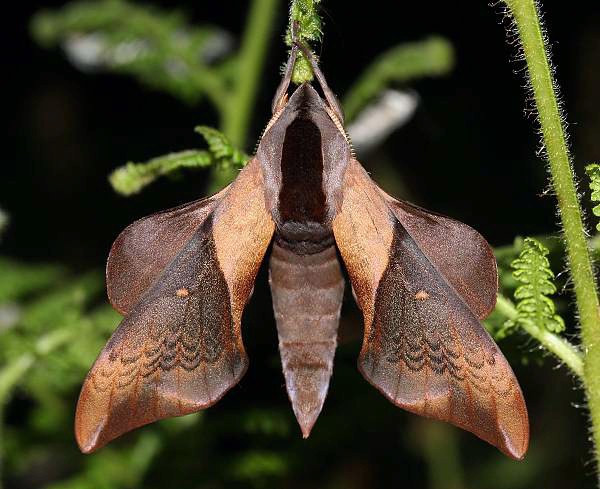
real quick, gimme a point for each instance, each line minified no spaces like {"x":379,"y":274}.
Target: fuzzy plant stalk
{"x":527,"y":21}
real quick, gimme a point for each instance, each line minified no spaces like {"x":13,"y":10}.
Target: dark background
{"x":469,"y":152}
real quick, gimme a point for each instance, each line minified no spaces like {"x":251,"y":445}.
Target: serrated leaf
{"x":532,"y":271}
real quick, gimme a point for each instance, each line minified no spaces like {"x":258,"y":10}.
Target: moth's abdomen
{"x":307,"y":292}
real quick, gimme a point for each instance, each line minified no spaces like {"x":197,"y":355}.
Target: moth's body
{"x":305,"y":276}
{"x":182,"y":278}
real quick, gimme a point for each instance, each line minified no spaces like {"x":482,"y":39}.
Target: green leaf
{"x":593,"y":172}
{"x":532,"y":271}
{"x":257,"y":465}
{"x":20,"y":279}
{"x":431,"y":57}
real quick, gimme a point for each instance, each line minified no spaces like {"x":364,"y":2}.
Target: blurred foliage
{"x":159,"y":48}
{"x":431,"y":57}
{"x":162,"y":50}
{"x":3,"y":222}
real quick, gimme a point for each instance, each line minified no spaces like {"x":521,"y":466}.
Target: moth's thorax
{"x":303,"y":154}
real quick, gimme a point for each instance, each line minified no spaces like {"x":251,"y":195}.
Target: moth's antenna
{"x":329,"y":96}
{"x":281,"y":93}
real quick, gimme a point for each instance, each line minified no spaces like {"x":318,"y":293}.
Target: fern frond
{"x":532,"y":271}
{"x":133,"y":177}
{"x":593,"y":172}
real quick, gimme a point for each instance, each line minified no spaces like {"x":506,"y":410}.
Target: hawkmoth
{"x":182,"y":278}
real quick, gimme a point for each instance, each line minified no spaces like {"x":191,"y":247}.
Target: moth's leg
{"x":281,"y":94}
{"x":329,"y":96}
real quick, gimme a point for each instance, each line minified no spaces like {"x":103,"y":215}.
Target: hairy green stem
{"x":565,"y":351}
{"x":527,"y":21}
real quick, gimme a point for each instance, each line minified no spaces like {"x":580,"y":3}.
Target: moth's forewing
{"x":143,"y":250}
{"x":180,"y":347}
{"x":424,"y":347}
{"x":304,"y":153}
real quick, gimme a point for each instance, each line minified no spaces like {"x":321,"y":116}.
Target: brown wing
{"x":424,"y":347}
{"x":459,"y":252}
{"x":180,"y":347}
{"x":144,"y":249}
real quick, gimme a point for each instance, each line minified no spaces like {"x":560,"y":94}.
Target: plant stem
{"x":237,"y":109}
{"x":255,"y":41}
{"x":527,"y":21}
{"x":565,"y":351}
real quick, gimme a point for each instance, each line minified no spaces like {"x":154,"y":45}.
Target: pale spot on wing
{"x":422,"y":295}
{"x":183,"y":292}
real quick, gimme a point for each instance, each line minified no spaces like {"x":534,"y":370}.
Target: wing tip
{"x":515,"y":433}
{"x":516,"y":453}
{"x":89,"y":440}
{"x":515,"y":445}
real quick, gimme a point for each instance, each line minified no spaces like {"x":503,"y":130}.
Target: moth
{"x":182,"y":278}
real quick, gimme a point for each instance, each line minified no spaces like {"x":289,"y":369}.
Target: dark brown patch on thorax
{"x":301,"y":198}
{"x":302,"y":202}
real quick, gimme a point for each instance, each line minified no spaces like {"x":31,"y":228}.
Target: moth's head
{"x":307,"y":103}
